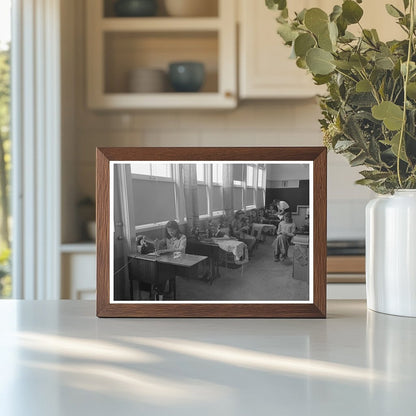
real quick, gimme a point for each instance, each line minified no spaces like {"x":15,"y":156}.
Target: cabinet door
{"x":266,"y":71}
{"x":265,"y":68}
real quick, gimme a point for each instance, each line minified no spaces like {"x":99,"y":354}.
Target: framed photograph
{"x":211,"y":232}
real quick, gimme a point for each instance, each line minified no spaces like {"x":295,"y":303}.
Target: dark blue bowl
{"x":135,"y":8}
{"x":186,"y":76}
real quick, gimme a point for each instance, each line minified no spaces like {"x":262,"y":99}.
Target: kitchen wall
{"x":253,"y":123}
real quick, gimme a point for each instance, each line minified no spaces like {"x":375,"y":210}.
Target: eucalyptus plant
{"x":369,"y":111}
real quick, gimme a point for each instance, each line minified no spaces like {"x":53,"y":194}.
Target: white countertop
{"x":57,"y":358}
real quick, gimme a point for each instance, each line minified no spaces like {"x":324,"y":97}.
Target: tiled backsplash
{"x":288,"y":123}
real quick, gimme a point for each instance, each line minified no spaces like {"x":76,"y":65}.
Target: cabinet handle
{"x":229,"y":94}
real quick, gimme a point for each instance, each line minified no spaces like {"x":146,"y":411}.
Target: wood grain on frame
{"x":317,"y":309}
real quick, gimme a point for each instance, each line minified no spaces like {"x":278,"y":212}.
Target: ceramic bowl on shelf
{"x":186,"y":76}
{"x":147,"y":80}
{"x":135,"y":8}
{"x":191,"y":8}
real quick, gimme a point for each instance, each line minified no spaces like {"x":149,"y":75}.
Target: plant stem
{"x":406,"y":79}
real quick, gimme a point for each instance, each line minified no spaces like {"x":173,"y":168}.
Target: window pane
{"x":260,"y":176}
{"x":217,"y":174}
{"x":140,"y":168}
{"x":200,"y":172}
{"x":202,"y":200}
{"x":238,"y":173}
{"x":163,"y":170}
{"x":217,"y":199}
{"x":250,"y":176}
{"x":238,"y":198}
{"x":154,"y":201}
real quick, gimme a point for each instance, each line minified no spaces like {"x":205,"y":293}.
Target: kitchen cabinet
{"x":118,"y":45}
{"x":265,"y":69}
{"x":78,"y":262}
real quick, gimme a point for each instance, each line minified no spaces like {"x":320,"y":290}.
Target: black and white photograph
{"x":211,"y":232}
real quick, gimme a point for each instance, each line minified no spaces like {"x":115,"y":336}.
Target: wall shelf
{"x":116,"y":46}
{"x":160,"y":24}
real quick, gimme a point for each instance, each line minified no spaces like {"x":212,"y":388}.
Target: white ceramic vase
{"x":391,"y":253}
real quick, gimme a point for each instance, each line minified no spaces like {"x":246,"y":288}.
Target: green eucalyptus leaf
{"x":344,"y":65}
{"x":343,"y":145}
{"x":363,"y":86}
{"x":411,"y":90}
{"x":301,"y":63}
{"x":303,"y":43}
{"x":412,"y":67}
{"x":351,"y":11}
{"x":393,"y":11}
{"x":276,"y":4}
{"x":347,"y":37}
{"x":396,"y":70}
{"x":394,"y":146}
{"x":358,"y":160}
{"x":333,"y":32}
{"x":365,"y":182}
{"x":375,"y":35}
{"x":374,"y":151}
{"x":316,"y":20}
{"x":342,"y":25}
{"x":321,"y":79}
{"x":384,"y":62}
{"x":281,"y":19}
{"x":287,"y":33}
{"x":388,"y":112}
{"x":319,"y":61}
{"x":336,"y":12}
{"x":358,"y":61}
{"x":325,"y":42}
{"x":406,"y":4}
{"x":368,"y":36}
{"x":285,"y":13}
{"x":301,"y":15}
{"x":374,"y":174}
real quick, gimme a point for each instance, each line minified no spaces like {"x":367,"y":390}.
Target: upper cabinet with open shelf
{"x":118,"y":47}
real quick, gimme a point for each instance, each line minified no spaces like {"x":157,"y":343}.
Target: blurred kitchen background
{"x":118,"y":87}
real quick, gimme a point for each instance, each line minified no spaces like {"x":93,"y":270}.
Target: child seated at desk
{"x":285,"y":232}
{"x":174,"y":240}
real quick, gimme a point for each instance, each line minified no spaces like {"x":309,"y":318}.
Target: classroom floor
{"x":260,"y":279}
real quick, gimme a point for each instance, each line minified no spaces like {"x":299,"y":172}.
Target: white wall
{"x":254,"y":123}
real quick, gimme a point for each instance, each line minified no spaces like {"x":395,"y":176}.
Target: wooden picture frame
{"x":313,"y":307}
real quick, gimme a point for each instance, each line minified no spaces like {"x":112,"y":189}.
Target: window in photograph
{"x":200,"y":173}
{"x":158,"y":170}
{"x":250,"y":176}
{"x":141,"y":169}
{"x":260,"y":178}
{"x":217,"y":173}
{"x":238,"y":176}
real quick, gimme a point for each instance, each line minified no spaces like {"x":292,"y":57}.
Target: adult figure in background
{"x":281,"y":207}
{"x":285,"y":232}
